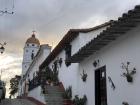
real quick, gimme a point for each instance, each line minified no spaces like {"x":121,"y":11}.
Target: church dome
{"x":33,"y":40}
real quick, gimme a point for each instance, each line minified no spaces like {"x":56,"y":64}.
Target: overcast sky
{"x":51,"y":19}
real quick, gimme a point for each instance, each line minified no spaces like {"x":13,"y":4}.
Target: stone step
{"x":47,"y":90}
{"x":53,"y":92}
{"x":53,"y":88}
{"x":54,"y":98}
{"x":54,"y":95}
{"x":54,"y":103}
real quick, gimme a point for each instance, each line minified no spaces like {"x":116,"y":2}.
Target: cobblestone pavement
{"x":16,"y":102}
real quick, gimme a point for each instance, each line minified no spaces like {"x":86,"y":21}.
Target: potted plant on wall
{"x":67,"y":95}
{"x":125,"y":103}
{"x":55,"y":77}
{"x":80,"y":101}
{"x":129,"y":73}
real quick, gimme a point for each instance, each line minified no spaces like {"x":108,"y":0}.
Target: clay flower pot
{"x":129,"y":78}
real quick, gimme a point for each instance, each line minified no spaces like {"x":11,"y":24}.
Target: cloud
{"x":51,"y":19}
{"x":10,"y":66}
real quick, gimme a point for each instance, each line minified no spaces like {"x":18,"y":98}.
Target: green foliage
{"x":80,"y":101}
{"x":14,"y":85}
{"x":68,"y":93}
{"x":48,"y":73}
{"x":129,"y":72}
{"x":55,"y":76}
{"x":52,"y":74}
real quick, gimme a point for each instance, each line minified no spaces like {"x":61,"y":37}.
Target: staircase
{"x":53,"y":95}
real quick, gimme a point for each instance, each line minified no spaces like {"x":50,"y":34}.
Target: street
{"x":16,"y":102}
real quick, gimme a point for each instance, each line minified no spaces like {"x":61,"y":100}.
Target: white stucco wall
{"x":126,"y":48}
{"x":28,"y":50}
{"x":45,"y":51}
{"x":34,"y":66}
{"x":84,"y":38}
{"x":67,"y":75}
{"x":36,"y":93}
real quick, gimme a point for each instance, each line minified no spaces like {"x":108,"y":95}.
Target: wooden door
{"x":100,"y":86}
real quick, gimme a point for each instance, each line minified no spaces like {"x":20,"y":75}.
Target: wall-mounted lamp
{"x":2,"y":49}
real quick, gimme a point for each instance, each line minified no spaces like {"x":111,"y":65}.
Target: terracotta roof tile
{"x":71,"y":35}
{"x":127,"y":22}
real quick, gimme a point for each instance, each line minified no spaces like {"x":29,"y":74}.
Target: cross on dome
{"x":33,"y":35}
{"x":33,"y":39}
{"x":33,"y":31}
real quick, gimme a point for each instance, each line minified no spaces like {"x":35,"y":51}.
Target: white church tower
{"x":31,"y":48}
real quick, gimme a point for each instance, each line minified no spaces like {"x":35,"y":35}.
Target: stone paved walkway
{"x":16,"y":102}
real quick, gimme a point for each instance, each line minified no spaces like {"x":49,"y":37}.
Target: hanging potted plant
{"x":67,"y":95}
{"x":84,"y":76}
{"x":129,"y":73}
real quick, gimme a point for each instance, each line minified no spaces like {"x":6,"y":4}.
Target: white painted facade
{"x":43,"y":52}
{"x":83,"y":38}
{"x":36,"y":93}
{"x":27,"y":59}
{"x":30,"y":66}
{"x":124,"y":49}
{"x":30,"y":49}
{"x":69,"y":76}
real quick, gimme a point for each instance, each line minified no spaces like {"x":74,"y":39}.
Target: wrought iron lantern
{"x":2,"y":49}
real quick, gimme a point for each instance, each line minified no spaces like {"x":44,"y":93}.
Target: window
{"x":33,"y":45}
{"x":27,"y":44}
{"x":32,"y":56}
{"x":67,"y":54}
{"x":32,"y":50}
{"x":26,"y":50}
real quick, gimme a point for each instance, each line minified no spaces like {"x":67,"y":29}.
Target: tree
{"x":14,"y":85}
